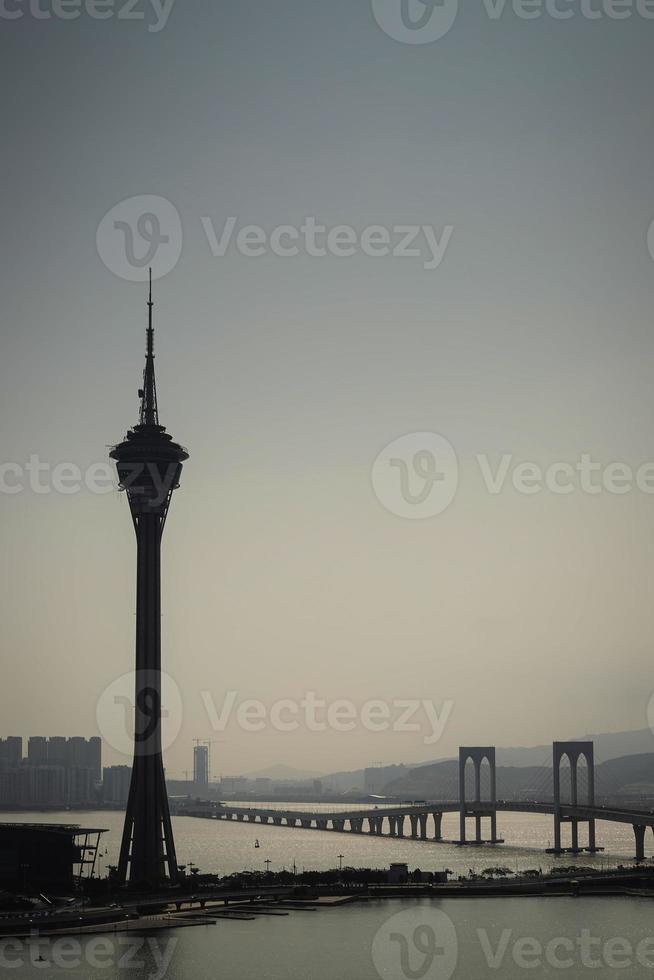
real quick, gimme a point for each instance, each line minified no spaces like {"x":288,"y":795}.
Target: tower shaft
{"x":147,"y":853}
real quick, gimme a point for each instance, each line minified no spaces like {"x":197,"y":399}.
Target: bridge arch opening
{"x":565,"y":779}
{"x":469,"y":779}
{"x":485,"y":779}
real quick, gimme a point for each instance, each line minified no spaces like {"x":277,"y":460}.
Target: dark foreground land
{"x":203,"y":900}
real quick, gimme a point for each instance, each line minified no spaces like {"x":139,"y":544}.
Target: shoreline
{"x":206,"y":905}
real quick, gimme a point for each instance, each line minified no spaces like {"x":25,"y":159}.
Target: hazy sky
{"x":532,"y":142}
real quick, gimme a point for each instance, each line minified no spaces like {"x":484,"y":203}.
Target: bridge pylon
{"x":477,"y":808}
{"x":574,"y":752}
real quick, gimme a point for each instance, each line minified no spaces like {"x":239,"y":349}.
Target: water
{"x":423,"y":939}
{"x":464,"y":939}
{"x":223,"y":847}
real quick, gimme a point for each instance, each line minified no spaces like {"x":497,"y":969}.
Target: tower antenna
{"x":149,"y":410}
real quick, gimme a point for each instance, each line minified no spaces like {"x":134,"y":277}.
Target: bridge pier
{"x":574,"y":752}
{"x":438,"y":826}
{"x":477,"y":808}
{"x":639,"y":834}
{"x":422,"y":819}
{"x":413,"y":817}
{"x":400,"y":825}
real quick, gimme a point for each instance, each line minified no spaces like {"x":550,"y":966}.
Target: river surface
{"x":422,"y":939}
{"x":223,"y":847}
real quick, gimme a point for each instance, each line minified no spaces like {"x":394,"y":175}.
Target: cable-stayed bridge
{"x":566,"y":790}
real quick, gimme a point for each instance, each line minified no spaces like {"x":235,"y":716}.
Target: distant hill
{"x":628,"y":775}
{"x":608,"y":745}
{"x":441,"y":782}
{"x":285,"y":774}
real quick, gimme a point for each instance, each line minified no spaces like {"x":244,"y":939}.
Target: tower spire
{"x":148,"y":393}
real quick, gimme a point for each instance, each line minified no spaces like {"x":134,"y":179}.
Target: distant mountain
{"x":284,"y":774}
{"x":355,"y":780}
{"x":441,"y":782}
{"x":345,"y":782}
{"x":608,"y":745}
{"x":629,"y":775}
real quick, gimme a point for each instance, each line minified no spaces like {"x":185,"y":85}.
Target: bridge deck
{"x":580,"y":812}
